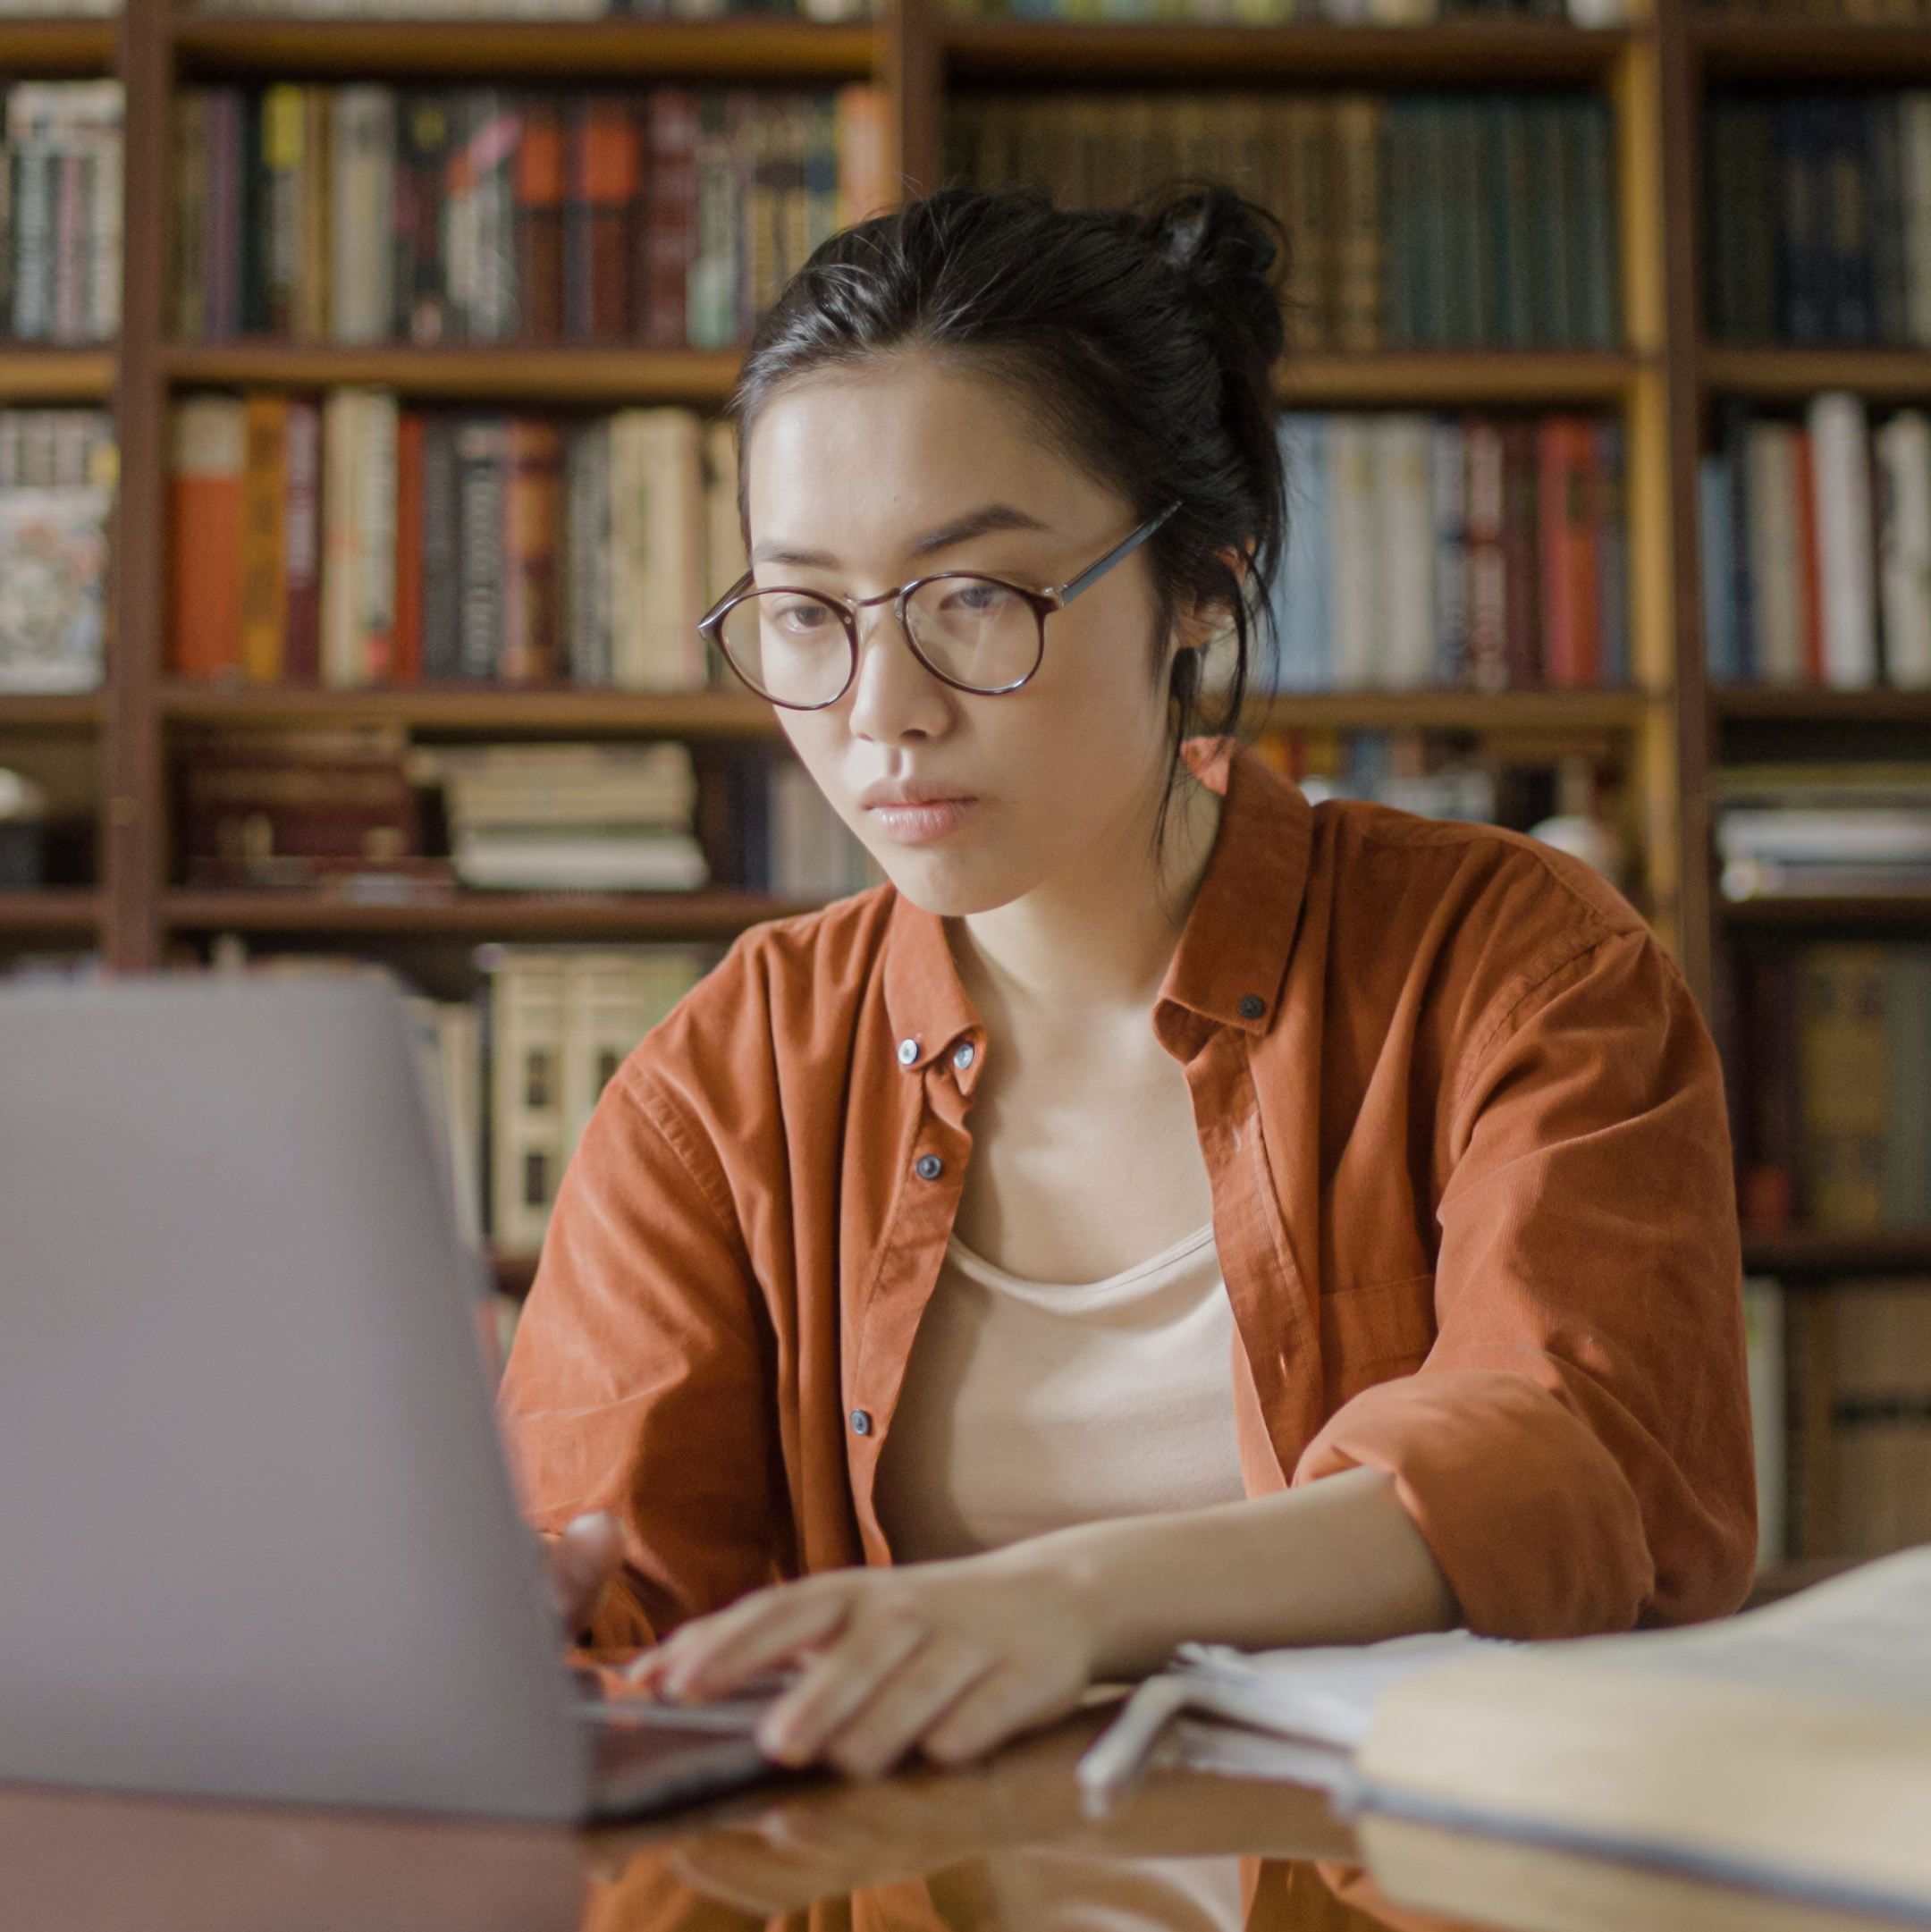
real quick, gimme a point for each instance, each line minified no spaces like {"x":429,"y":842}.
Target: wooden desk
{"x":1002,"y":1846}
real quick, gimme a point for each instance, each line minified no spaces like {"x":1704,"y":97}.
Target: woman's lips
{"x":924,"y":822}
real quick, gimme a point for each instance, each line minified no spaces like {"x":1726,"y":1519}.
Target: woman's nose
{"x":894,"y":696}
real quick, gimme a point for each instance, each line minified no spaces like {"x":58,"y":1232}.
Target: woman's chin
{"x":947,"y":884}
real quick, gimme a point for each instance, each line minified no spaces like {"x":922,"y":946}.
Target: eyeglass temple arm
{"x":1087,"y":579}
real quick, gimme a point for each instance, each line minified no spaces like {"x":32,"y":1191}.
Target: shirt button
{"x":1251,"y":1007}
{"x":908,"y":1051}
{"x":964,"y":1055}
{"x":928,"y":1167}
{"x":861,"y":1423}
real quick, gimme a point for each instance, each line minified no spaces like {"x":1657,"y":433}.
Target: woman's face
{"x":858,"y":483}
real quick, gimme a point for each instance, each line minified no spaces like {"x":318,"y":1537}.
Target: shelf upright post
{"x":1682,"y":82}
{"x":912,"y":74}
{"x":132,"y":832}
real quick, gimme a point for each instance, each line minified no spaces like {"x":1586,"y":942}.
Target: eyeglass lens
{"x":974,"y":631}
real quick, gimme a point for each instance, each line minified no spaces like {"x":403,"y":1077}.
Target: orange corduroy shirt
{"x":1471,"y":1193}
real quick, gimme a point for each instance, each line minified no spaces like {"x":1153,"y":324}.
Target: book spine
{"x":673,"y":579}
{"x":479,"y":492}
{"x":1404,"y":532}
{"x":1915,"y":140}
{"x":1487,"y":568}
{"x":1845,"y":542}
{"x":539,"y":221}
{"x":1398,"y":229}
{"x":820,"y":195}
{"x":1736,"y":425}
{"x":376,"y":426}
{"x":1359,"y":128}
{"x":362,"y":123}
{"x":1448,"y":510}
{"x":342,"y":666}
{"x":1609,"y":525}
{"x":1553,"y":160}
{"x":671,"y":230}
{"x":1773,"y":538}
{"x":588,"y":554}
{"x":724,"y":546}
{"x":1569,"y":583}
{"x":1520,"y":555}
{"x":493,"y":137}
{"x":1908,"y":1089}
{"x":1809,"y":561}
{"x":526,"y":1012}
{"x":1715,"y":529}
{"x":606,"y":194}
{"x":1904,"y":547}
{"x":441,"y":550}
{"x":265,"y":528}
{"x":407,"y":667}
{"x":301,"y":543}
{"x":1804,"y":242}
{"x":1301,"y":614}
{"x":283,"y":127}
{"x":71,"y":198}
{"x":227,"y":246}
{"x":1352,"y":562}
{"x":710,"y":287}
{"x":1305,"y":126}
{"x":253,"y":217}
{"x":1883,"y":147}
{"x":422,"y":179}
{"x":189,"y":275}
{"x":205,"y":488}
{"x":311,"y":297}
{"x":1846,"y":161}
{"x":532,"y":488}
{"x":1594,"y":231}
{"x":33,"y":240}
{"x":1843,"y":1082}
{"x":744,"y":110}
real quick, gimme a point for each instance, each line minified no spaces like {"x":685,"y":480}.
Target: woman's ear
{"x":1208,"y":619}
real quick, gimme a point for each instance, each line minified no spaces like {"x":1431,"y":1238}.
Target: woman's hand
{"x":582,"y":1560}
{"x":948,"y":1658}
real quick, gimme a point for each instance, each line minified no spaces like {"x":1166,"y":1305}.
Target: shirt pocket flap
{"x":1374,"y":1333}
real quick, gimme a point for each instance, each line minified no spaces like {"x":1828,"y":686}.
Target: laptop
{"x":259,"y":1539}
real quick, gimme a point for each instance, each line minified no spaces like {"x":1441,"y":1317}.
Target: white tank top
{"x":1029,"y":1406}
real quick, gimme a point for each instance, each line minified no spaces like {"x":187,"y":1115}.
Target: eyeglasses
{"x":799,"y":648}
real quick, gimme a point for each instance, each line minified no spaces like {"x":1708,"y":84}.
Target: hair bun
{"x":1225,"y":249}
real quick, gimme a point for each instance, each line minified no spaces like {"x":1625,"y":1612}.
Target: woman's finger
{"x":837,"y":1685}
{"x":1005,"y":1700}
{"x":905,"y":1705}
{"x":715,"y":1654}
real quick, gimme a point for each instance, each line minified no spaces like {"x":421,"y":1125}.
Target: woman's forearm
{"x":1339,"y":1561}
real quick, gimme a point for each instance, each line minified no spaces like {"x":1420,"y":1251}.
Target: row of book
{"x":1419,"y":220}
{"x":824,"y":11}
{"x":362,"y":813}
{"x":1831,"y":1062}
{"x":1843,"y":830}
{"x":1284,"y":12}
{"x":1853,"y":1480}
{"x":60,"y":212}
{"x":1475,"y":552}
{"x":57,"y":477}
{"x":364,"y":214}
{"x":1817,"y":548}
{"x":1817,"y":218}
{"x":1827,"y":12}
{"x":351,"y":542}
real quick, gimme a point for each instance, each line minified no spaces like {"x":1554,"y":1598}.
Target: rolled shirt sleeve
{"x":1575,"y":1448}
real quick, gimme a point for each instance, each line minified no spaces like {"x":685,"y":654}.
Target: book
{"x":1769,"y":1397}
{"x":1787,"y":1751}
{"x":1842,"y":1069}
{"x":1903,"y":475}
{"x":264,"y":535}
{"x":1840,"y":439}
{"x":362,"y":154}
{"x":358,"y":536}
{"x":207,"y":469}
{"x":52,"y":587}
{"x":1880,"y":1416}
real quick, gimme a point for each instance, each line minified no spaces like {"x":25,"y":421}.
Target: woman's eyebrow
{"x":960,"y":530}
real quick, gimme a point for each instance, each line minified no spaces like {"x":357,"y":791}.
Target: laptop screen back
{"x":255,"y":1534}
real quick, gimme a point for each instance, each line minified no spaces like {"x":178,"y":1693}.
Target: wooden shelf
{"x":1808,"y":51}
{"x":1776,"y":1580}
{"x":1808,"y":914}
{"x":1449,"y":377}
{"x":56,"y":48}
{"x":1805,"y":1252}
{"x":583,"y":374}
{"x":1453,"y":711}
{"x":1483,"y":53}
{"x":1806,"y":703}
{"x":50,"y":910}
{"x":639,"y":918}
{"x":55,"y":374}
{"x":791,"y":51}
{"x":1793,"y":374}
{"x":482,"y":709}
{"x":79,"y":708}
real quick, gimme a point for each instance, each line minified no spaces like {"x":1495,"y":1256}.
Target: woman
{"x":1165,"y":1211}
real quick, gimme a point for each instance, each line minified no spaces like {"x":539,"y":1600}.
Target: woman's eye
{"x":805,"y":619}
{"x":980,"y":599}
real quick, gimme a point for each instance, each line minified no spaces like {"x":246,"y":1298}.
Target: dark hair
{"x":1145,"y":341}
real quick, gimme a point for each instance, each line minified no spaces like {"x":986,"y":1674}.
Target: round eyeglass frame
{"x":1042,"y":602}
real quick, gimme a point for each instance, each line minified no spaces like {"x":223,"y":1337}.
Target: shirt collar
{"x":1232,"y":960}
{"x":1233,"y":950}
